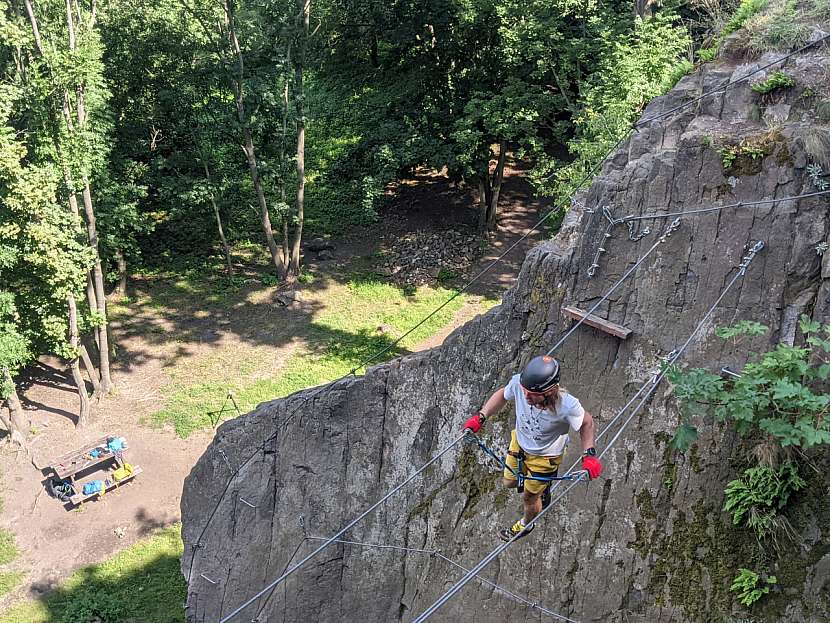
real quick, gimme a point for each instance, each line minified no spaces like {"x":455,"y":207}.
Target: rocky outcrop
{"x":648,"y":542}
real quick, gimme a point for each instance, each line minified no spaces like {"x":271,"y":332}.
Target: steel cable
{"x":343,"y":530}
{"x":673,"y":358}
{"x":731,"y":83}
{"x":198,"y":544}
{"x":437,"y":553}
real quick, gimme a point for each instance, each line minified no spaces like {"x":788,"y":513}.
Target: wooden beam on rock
{"x":612,"y":328}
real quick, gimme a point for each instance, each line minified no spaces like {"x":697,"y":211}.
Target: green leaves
{"x":777,"y":395}
{"x":808,"y":326}
{"x":744,"y":327}
{"x":750,"y":586}
{"x":684,"y":437}
{"x":755,"y":497}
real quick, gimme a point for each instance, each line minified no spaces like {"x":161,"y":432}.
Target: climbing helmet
{"x":540,"y":374}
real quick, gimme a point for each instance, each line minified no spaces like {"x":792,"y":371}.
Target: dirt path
{"x":54,"y":541}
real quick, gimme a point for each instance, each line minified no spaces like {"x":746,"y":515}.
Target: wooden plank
{"x":80,"y":497}
{"x":617,"y":330}
{"x":71,"y":455}
{"x":71,"y":463}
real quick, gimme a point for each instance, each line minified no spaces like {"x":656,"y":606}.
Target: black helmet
{"x":540,"y":374}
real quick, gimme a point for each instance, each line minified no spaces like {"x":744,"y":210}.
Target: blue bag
{"x":116,"y":444}
{"x":93,"y":487}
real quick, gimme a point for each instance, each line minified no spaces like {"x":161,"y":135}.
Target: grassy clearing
{"x":357,"y":318}
{"x":338,"y":339}
{"x":142,"y":584}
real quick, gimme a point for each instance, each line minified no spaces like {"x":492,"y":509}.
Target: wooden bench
{"x":68,"y":467}
{"x":612,"y":328}
{"x":109,"y":485}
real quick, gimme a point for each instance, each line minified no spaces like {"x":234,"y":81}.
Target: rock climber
{"x":544,"y":413}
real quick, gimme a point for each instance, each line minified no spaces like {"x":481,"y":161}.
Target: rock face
{"x":647,"y":542}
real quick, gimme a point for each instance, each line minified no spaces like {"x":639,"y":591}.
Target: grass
{"x":142,"y":584}
{"x":746,"y":10}
{"x":342,"y":335}
{"x":9,"y":580}
{"x":8,"y":548}
{"x":778,"y":28}
{"x":817,"y":145}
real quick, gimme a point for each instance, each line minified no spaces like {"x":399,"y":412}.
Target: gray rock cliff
{"x":648,"y":541}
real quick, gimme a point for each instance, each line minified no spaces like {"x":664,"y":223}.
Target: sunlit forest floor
{"x":185,"y":339}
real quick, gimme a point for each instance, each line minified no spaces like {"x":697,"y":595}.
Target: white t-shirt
{"x":540,"y":431}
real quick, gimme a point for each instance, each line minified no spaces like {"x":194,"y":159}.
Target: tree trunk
{"x":283,"y":151}
{"x":83,"y":410}
{"x":92,"y":231}
{"x":248,"y":146}
{"x":100,"y":296}
{"x":91,"y":372}
{"x":304,"y":7}
{"x":498,"y":177}
{"x":483,"y":200}
{"x":121,"y":264}
{"x":16,"y":422}
{"x":489,"y":188}
{"x":225,"y":246}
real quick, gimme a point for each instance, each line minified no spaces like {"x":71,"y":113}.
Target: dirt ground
{"x":54,"y":541}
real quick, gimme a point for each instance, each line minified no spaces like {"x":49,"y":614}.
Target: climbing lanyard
{"x":518,"y":473}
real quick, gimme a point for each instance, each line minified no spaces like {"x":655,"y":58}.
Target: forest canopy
{"x":138,"y":135}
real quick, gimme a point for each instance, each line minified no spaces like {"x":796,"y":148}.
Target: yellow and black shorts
{"x":532,"y":465}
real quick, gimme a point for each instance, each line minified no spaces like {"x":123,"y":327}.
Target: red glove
{"x":592,"y":465}
{"x":476,"y":422}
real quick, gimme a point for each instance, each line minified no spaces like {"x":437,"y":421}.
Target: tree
{"x":71,"y":73}
{"x":303,"y":15}
{"x":14,"y":352}
{"x":43,"y":259}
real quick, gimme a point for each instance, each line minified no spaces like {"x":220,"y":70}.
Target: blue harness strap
{"x":519,"y":474}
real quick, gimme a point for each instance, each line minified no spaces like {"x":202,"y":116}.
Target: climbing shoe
{"x":546,"y":497}
{"x":517,"y":528}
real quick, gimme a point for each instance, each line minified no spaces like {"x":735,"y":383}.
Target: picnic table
{"x":77,"y":465}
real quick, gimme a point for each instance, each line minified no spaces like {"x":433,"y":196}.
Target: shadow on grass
{"x":142,"y":584}
{"x":147,"y":595}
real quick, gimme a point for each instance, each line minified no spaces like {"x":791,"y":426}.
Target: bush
{"x":778,"y":396}
{"x":93,"y":607}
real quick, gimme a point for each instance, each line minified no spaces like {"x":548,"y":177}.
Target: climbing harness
{"x":519,"y":473}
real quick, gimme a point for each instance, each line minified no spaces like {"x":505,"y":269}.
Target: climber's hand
{"x":592,"y":465}
{"x":475,"y":423}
